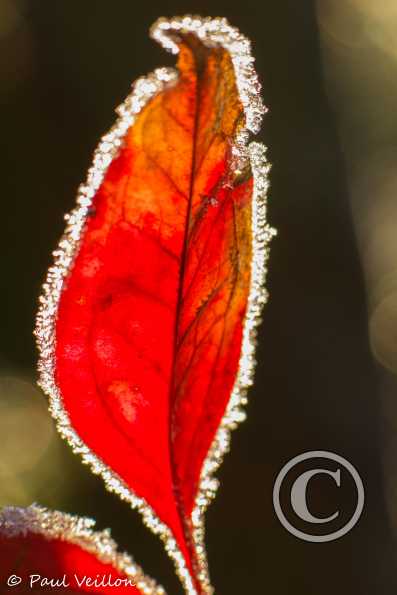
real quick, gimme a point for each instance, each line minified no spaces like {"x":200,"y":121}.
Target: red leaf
{"x":53,"y":551}
{"x":148,"y":318}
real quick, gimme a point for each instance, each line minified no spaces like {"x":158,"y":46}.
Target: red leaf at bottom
{"x":52,"y":551}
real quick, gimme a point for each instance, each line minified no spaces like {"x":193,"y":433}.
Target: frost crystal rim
{"x":212,"y":32}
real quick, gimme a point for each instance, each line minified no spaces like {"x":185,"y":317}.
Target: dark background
{"x":65,"y":65}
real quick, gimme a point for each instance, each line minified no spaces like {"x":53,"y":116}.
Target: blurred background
{"x":328,"y":343}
